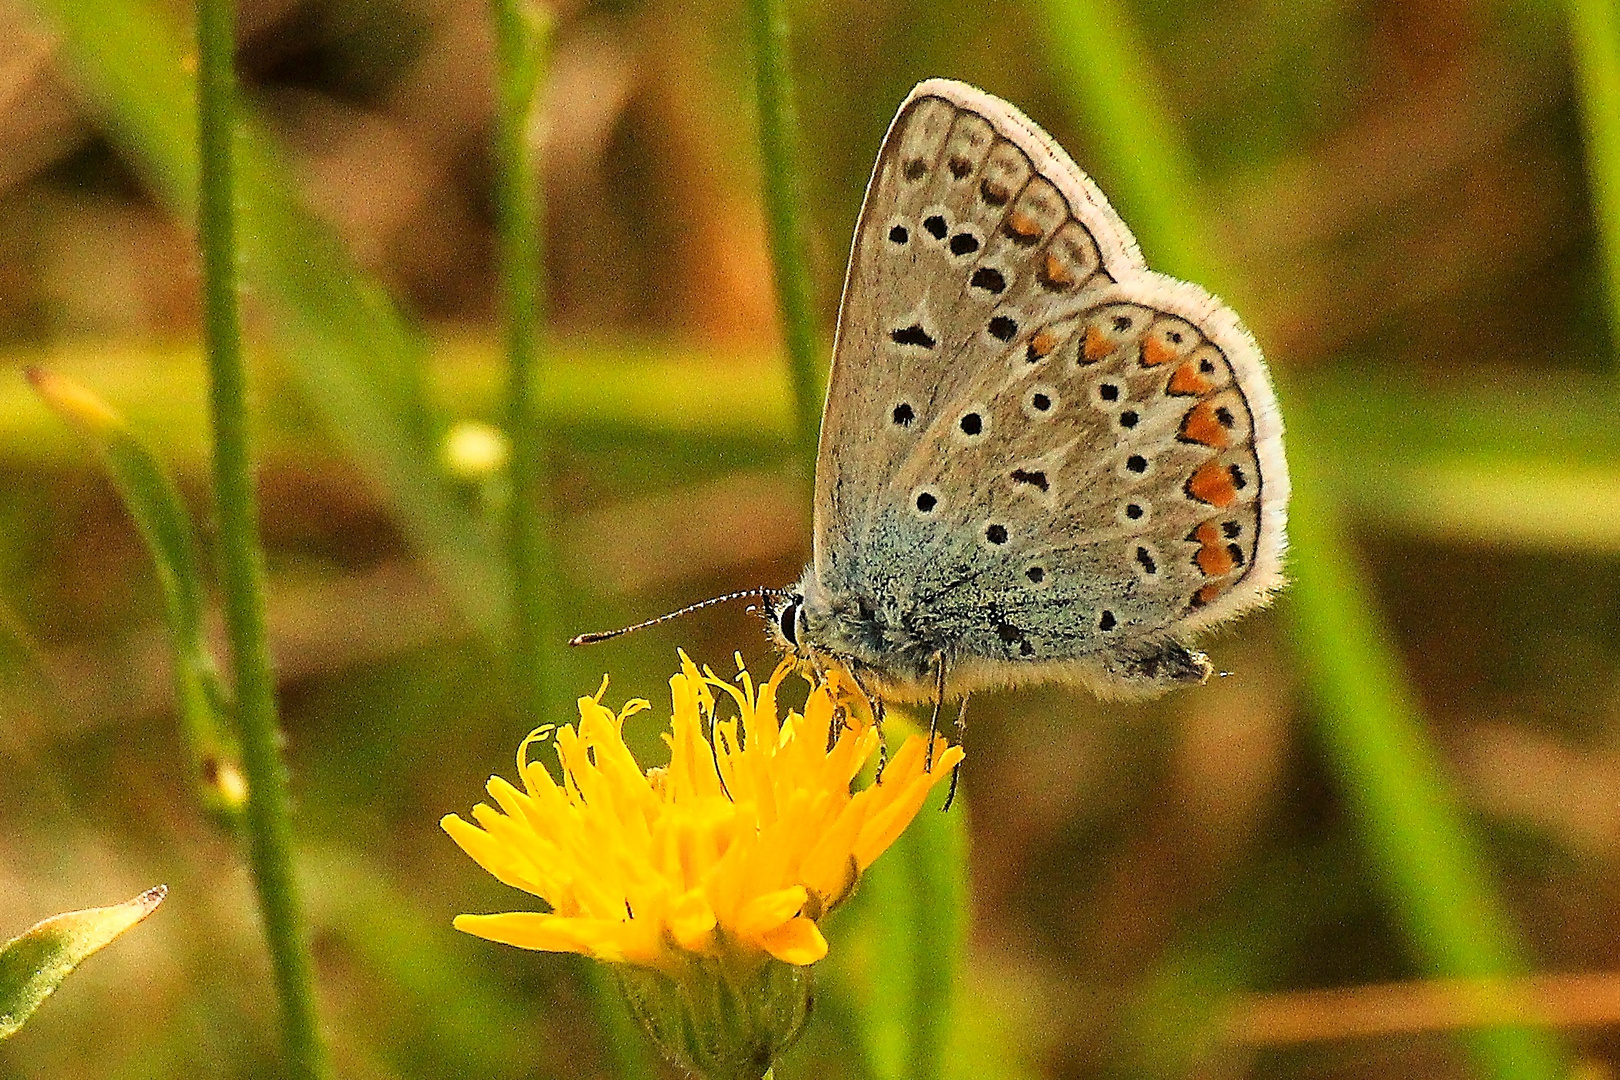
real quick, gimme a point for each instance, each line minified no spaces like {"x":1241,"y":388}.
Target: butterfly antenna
{"x":604,"y":635}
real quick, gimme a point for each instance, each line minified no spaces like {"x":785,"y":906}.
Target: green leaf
{"x":33,"y":965}
{"x":153,"y":501}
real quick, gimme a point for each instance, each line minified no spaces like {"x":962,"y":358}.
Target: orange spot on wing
{"x":1097,"y":344}
{"x":1200,"y":426}
{"x":1212,"y":484}
{"x":1055,"y":273}
{"x":1156,"y":352}
{"x":1205,"y":594}
{"x":1214,"y":558}
{"x":1187,"y":382}
{"x":1215,"y":561}
{"x":1021,"y":226}
{"x":1043,"y":343}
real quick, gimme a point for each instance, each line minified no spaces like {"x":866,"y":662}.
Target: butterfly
{"x":1039,"y":460}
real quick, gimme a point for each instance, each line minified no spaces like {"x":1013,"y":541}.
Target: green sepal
{"x":720,"y":1018}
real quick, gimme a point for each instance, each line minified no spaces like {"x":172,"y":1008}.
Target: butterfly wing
{"x":1038,"y":452}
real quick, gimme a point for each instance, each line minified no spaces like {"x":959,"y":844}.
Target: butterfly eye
{"x":788,"y":621}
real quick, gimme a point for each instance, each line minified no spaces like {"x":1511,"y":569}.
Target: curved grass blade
{"x":1595,"y":42}
{"x":33,"y":964}
{"x":1428,"y":856}
{"x":154,"y":503}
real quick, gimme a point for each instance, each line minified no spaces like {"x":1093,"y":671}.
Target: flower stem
{"x":520,"y":44}
{"x":779,"y":146}
{"x":268,"y":826}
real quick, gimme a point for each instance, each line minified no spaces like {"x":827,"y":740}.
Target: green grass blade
{"x":1142,"y":159}
{"x":1595,"y":42}
{"x":1430,"y":861}
{"x":1524,"y":467}
{"x":33,"y":964}
{"x":779,"y":149}
{"x":1420,"y":842}
{"x":346,"y":345}
{"x":522,"y":50}
{"x":154,"y":503}
{"x":916,"y":895}
{"x":913,"y":905}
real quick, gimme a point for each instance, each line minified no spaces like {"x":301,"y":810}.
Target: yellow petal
{"x":763,"y":913}
{"x":507,"y":867}
{"x":692,"y":922}
{"x":796,"y":942}
{"x":604,"y":939}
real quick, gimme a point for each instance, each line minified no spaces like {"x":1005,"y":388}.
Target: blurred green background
{"x":1405,"y":200}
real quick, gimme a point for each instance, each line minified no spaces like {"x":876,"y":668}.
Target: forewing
{"x":1041,"y":443}
{"x":958,"y":227}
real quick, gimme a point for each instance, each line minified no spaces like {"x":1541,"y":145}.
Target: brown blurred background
{"x":1402,"y":187}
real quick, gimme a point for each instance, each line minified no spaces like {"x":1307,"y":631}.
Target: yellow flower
{"x":733,"y":851}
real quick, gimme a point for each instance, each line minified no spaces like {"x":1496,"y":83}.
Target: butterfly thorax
{"x":883,"y":638}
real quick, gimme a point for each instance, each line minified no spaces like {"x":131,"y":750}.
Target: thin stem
{"x":268,"y":825}
{"x":1595,"y":41}
{"x":779,"y":151}
{"x":519,"y":46}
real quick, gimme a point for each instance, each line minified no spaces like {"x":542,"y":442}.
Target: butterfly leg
{"x":883,"y":746}
{"x":939,"y":704}
{"x":961,"y":734}
{"x":878,"y":714}
{"x":840,"y":718}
